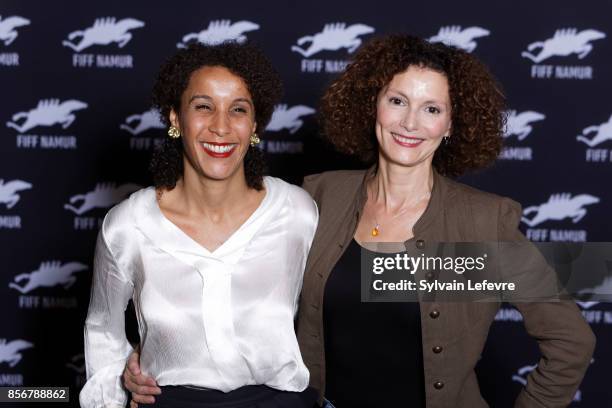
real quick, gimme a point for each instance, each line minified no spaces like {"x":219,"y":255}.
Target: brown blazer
{"x":453,"y":334}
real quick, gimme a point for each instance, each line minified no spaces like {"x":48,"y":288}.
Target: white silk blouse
{"x":222,"y":319}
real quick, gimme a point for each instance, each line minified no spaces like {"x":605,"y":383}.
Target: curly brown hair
{"x":348,"y":107}
{"x":244,"y":60}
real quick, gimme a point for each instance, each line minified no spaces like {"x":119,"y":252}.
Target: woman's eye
{"x":200,"y":107}
{"x":240,"y":109}
{"x":395,"y":101}
{"x":433,"y":109}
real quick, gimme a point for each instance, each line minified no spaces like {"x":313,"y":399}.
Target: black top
{"x":373,"y":351}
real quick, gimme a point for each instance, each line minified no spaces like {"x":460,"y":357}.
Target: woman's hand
{"x":141,"y":386}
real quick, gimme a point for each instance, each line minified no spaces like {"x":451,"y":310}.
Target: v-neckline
{"x":166,"y":221}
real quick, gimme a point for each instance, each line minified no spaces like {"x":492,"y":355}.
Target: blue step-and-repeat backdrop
{"x":77,"y":131}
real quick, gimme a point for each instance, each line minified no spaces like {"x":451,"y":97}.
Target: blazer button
{"x":437,"y":349}
{"x":434,"y":314}
{"x":420,"y":243}
{"x":438,"y":385}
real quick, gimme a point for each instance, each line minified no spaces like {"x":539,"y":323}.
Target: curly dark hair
{"x":244,"y":60}
{"x":348,"y":107}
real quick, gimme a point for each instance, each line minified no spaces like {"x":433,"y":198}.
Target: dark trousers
{"x":250,"y":396}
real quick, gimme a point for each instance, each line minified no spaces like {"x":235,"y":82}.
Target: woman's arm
{"x":106,"y":345}
{"x":565,"y":339}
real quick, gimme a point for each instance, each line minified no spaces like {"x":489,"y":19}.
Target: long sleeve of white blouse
{"x":106,"y":346}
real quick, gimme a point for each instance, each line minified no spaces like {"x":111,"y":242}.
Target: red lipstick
{"x":417,"y":141}
{"x":219,"y":153}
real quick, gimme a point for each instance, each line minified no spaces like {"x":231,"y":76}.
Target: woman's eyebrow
{"x":200,"y":97}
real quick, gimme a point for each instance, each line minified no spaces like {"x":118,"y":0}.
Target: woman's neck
{"x":215,"y":199}
{"x":395,"y":186}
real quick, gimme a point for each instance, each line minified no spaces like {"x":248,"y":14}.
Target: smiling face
{"x":216,"y":120}
{"x":413,"y":113}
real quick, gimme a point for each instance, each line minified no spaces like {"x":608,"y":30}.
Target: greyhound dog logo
{"x":49,"y":274}
{"x":558,"y":207}
{"x":522,"y":373}
{"x":8,"y":34}
{"x":566,"y":41}
{"x":460,"y":38}
{"x":104,"y":195}
{"x":104,"y":31}
{"x":9,"y":352}
{"x":333,"y":37}
{"x":219,"y":31}
{"x":146,"y":120}
{"x":8,"y":191}
{"x":603,"y":288}
{"x":48,"y":112}
{"x":77,"y":363}
{"x":587,"y":305}
{"x":284,"y":118}
{"x":602,"y":132}
{"x":518,"y":124}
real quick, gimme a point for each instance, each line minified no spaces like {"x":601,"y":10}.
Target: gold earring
{"x":446,"y":140}
{"x":174,"y":133}
{"x":255,"y":139}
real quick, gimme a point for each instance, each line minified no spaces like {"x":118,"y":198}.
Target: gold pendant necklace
{"x":376,"y":230}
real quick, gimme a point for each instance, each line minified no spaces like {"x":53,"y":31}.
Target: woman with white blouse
{"x":212,"y":256}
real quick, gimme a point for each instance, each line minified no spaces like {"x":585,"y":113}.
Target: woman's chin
{"x":218,"y":173}
{"x":408,"y":161}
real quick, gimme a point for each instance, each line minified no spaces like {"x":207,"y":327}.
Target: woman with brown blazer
{"x":436,"y":111}
{"x":419,"y":112}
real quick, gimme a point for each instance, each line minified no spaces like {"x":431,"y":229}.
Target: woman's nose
{"x":409,"y":120}
{"x":219,"y":124}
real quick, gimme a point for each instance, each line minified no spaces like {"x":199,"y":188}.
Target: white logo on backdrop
{"x":460,"y":38}
{"x":603,"y":288}
{"x":565,"y":42}
{"x":49,"y":274}
{"x":587,"y":305}
{"x":219,"y":31}
{"x":602,"y":132}
{"x":558,"y":207}
{"x":77,"y":363}
{"x":103,"y":196}
{"x":333,"y":37}
{"x":522,"y":373}
{"x":284,"y":118}
{"x":146,"y":120}
{"x":9,"y":352}
{"x":104,"y":31}
{"x":518,"y":124}
{"x":48,"y":112}
{"x":8,"y":191}
{"x":8,"y":34}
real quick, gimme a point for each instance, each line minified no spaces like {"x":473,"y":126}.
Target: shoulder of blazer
{"x":487,"y":210}
{"x":334,"y":186}
{"x":472,"y":195}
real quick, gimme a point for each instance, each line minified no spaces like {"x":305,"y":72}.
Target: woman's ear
{"x":448,"y":131}
{"x":173,"y":117}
